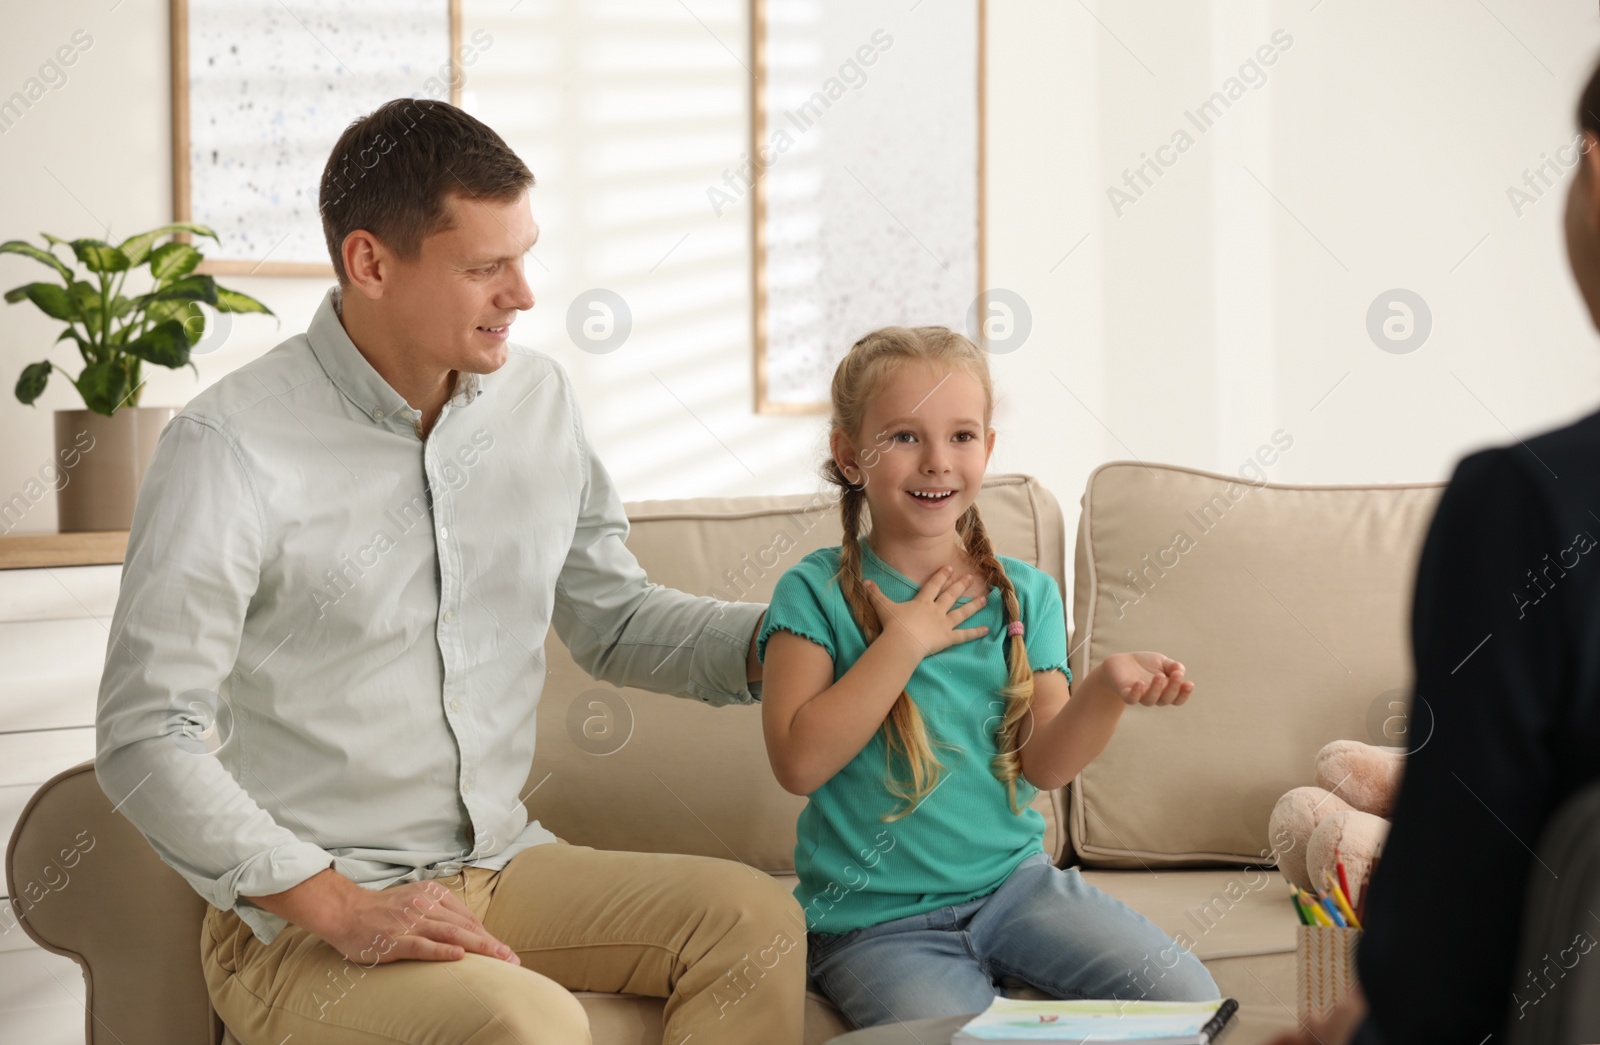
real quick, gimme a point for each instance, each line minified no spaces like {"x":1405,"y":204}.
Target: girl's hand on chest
{"x":929,"y":621}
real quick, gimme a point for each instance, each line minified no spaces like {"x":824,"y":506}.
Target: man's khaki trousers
{"x":723,"y":943}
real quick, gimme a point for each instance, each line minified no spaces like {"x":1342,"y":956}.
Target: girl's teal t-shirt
{"x":962,"y":840}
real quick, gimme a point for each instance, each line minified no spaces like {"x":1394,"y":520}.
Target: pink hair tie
{"x":1014,"y":628}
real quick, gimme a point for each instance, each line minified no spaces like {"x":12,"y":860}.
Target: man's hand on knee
{"x":418,"y":920}
{"x":421,"y":921}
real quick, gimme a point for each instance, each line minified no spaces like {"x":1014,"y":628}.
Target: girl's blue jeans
{"x":1044,"y":926}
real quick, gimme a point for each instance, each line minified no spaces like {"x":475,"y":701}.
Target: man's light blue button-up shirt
{"x":328,"y":645}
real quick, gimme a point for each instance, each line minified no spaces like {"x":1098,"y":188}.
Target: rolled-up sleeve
{"x":622,"y":628}
{"x":191,"y":569}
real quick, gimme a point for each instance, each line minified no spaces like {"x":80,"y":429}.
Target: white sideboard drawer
{"x":51,"y":671}
{"x":53,"y":631}
{"x":12,"y":799}
{"x":41,"y":995}
{"x":33,"y":758}
{"x":59,"y":592}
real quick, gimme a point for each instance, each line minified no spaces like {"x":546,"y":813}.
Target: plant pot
{"x":102,"y":462}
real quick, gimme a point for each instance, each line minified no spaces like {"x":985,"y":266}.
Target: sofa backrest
{"x":627,"y":769}
{"x":1288,"y":605}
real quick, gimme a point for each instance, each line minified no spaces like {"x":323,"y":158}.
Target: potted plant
{"x":107,"y":446}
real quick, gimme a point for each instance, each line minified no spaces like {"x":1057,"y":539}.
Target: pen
{"x":1317,"y":913}
{"x":1361,"y":905}
{"x":1342,"y":901}
{"x":1299,"y":908}
{"x":1333,"y":912}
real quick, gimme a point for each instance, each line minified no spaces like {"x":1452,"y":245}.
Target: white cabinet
{"x":54,"y":625}
{"x":41,"y":995}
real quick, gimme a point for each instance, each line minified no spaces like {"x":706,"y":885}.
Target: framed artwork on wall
{"x":261,"y":93}
{"x":865,"y":168}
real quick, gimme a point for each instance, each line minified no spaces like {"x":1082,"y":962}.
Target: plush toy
{"x":1345,"y":814}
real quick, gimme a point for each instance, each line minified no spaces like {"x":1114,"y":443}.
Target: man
{"x":1503,"y":633}
{"x":348,"y":553}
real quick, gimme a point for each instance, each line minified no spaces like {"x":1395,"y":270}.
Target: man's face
{"x":465,"y":281}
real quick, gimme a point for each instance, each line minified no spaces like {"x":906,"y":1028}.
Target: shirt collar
{"x":347,"y":368}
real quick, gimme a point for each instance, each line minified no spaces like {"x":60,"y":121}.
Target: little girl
{"x":916,"y":689}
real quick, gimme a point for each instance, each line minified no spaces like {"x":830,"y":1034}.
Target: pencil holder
{"x":1325,"y":963}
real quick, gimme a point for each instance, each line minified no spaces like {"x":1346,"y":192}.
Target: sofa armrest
{"x":86,"y":884}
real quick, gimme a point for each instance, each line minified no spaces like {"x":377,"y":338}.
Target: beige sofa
{"x":1287,"y":603}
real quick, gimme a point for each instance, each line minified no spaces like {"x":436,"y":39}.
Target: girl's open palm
{"x":928,"y":620}
{"x":1147,"y":678}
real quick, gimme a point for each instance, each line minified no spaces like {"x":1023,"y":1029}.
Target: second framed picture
{"x":866,"y":170}
{"x":260,"y":95}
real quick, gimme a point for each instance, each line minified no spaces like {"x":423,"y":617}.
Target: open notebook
{"x":1150,"y":1022}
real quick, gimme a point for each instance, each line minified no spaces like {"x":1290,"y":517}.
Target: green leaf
{"x":233,"y":301}
{"x":86,"y":294}
{"x":167,"y":344}
{"x":17,"y":246}
{"x":193,"y":319}
{"x":137,"y":248}
{"x":87,"y":297}
{"x":189,"y":288}
{"x":84,"y":348}
{"x":161,"y":311}
{"x":172,"y":260}
{"x":103,"y":386}
{"x":99,"y":256}
{"x":32,"y":381}
{"x":52,"y":299}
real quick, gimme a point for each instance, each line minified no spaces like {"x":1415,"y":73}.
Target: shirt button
{"x":444,"y":533}
{"x":377,"y":415}
{"x":455,"y":705}
{"x":449,"y":616}
{"x":466,"y":788}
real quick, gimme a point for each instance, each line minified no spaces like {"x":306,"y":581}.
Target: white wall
{"x":1222,"y":304}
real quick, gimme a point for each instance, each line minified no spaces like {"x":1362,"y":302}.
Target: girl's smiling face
{"x":922,"y":451}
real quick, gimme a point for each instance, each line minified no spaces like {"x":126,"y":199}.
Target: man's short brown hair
{"x":391,"y":171}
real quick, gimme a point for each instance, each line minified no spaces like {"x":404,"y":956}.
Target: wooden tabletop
{"x":34,"y":550}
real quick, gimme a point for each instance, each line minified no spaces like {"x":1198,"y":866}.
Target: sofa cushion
{"x":1238,"y":922}
{"x":627,"y":769}
{"x":1289,"y":607}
